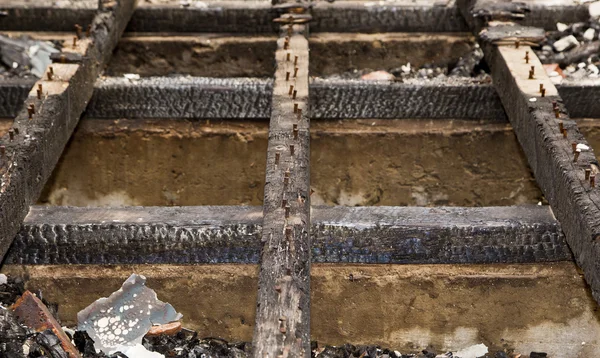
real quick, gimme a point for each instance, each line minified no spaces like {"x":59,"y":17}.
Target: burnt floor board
{"x":575,"y":202}
{"x":32,"y":154}
{"x":257,"y":16}
{"x":231,"y":234}
{"x":283,"y":306}
{"x":250,"y":98}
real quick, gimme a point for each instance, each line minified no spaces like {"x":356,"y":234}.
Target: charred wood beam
{"x":256,"y":17}
{"x":250,"y":98}
{"x":231,"y":234}
{"x":41,"y":131}
{"x":563,"y":163}
{"x":282,"y":322}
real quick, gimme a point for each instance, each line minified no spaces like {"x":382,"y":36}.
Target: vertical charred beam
{"x":282,"y":314}
{"x":562,"y":161}
{"x":52,"y":109}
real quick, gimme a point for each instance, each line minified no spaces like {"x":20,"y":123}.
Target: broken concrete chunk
{"x":119,"y":322}
{"x":566,"y":43}
{"x":589,"y":34}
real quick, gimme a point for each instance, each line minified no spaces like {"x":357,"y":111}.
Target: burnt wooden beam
{"x":250,"y":98}
{"x":231,"y":234}
{"x":282,"y":324}
{"x":256,"y":17}
{"x":548,"y":136}
{"x":42,"y":129}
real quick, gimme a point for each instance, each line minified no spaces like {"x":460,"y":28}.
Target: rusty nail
{"x":287,"y":76}
{"x":565,"y":133}
{"x":295,"y":72}
{"x":294,"y":94}
{"x":576,"y":155}
{"x":39,"y":94}
{"x":530,"y":74}
{"x":63,"y":58}
{"x":286,"y":44}
{"x":592,"y":180}
{"x":556,"y":112}
{"x":291,"y":90}
{"x":533,"y":70}
{"x":587,"y":173}
{"x":50,"y":74}
{"x":74,"y":41}
{"x":295,"y":60}
{"x":543,"y":92}
{"x":287,"y":57}
{"x":32,"y":106}
{"x":283,"y":203}
{"x":526,"y":56}
{"x":11,"y":134}
{"x":29,"y":113}
{"x":78,"y":30}
{"x":287,"y":211}
{"x":295,"y":130}
{"x":277,"y":158}
{"x":561,"y":127}
{"x":517,"y":44}
{"x":541,"y":87}
{"x":299,"y":113}
{"x":40,"y":87}
{"x":291,"y":149}
{"x":295,"y":107}
{"x":574,"y":146}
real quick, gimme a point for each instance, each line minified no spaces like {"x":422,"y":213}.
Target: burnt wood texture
{"x":548,"y":136}
{"x":231,"y":234}
{"x":283,"y":307}
{"x":33,"y":146}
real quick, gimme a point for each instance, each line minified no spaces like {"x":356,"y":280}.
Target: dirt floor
{"x":357,"y":162}
{"x":406,"y":307}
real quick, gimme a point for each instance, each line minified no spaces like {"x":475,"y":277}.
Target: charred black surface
{"x":35,"y":149}
{"x":185,"y":235}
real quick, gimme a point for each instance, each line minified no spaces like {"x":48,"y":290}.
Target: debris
{"x":119,"y":322}
{"x":32,"y":312}
{"x":476,"y":351}
{"x":589,"y":34}
{"x":23,"y":56}
{"x":594,"y":9}
{"x":466,"y":65}
{"x":132,"y":76}
{"x":533,"y":99}
{"x":561,"y":27}
{"x":566,"y":43}
{"x":12,"y":334}
{"x":3,"y":279}
{"x":582,"y":147}
{"x":378,"y":76}
{"x":168,"y":329}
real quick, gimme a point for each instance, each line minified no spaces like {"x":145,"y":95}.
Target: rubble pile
{"x":133,"y":323}
{"x":24,"y":57}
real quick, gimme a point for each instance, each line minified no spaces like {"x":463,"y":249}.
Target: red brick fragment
{"x":31,"y":312}
{"x":169,"y":329}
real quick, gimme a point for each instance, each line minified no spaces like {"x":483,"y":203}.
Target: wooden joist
{"x":52,"y":109}
{"x":563,"y":162}
{"x":55,"y":235}
{"x":283,"y":308}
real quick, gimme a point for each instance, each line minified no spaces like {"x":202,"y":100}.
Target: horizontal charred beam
{"x":256,"y":17}
{"x":231,"y":234}
{"x":240,"y":98}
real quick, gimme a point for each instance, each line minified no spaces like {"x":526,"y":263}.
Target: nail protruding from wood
{"x":74,"y":41}
{"x":543,"y":92}
{"x":277,"y":155}
{"x":291,"y":149}
{"x":295,"y":130}
{"x":517,"y":44}
{"x":11,"y":134}
{"x":50,"y":73}
{"x":78,"y":29}
{"x":561,"y":127}
{"x":295,"y":107}
{"x":291,"y":90}
{"x":541,"y":87}
{"x":294,"y":94}
{"x":565,"y":133}
{"x":592,"y":180}
{"x":287,"y":57}
{"x":588,"y":171}
{"x":295,"y":60}
{"x":287,"y":76}
{"x":295,"y":72}
{"x":574,"y":146}
{"x":526,"y":56}
{"x":576,"y":156}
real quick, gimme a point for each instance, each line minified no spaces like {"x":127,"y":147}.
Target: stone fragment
{"x":169,"y":329}
{"x":589,"y":34}
{"x":31,"y":312}
{"x":378,"y":76}
{"x":561,"y":27}
{"x":476,"y":351}
{"x":566,"y":43}
{"x":594,"y":9}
